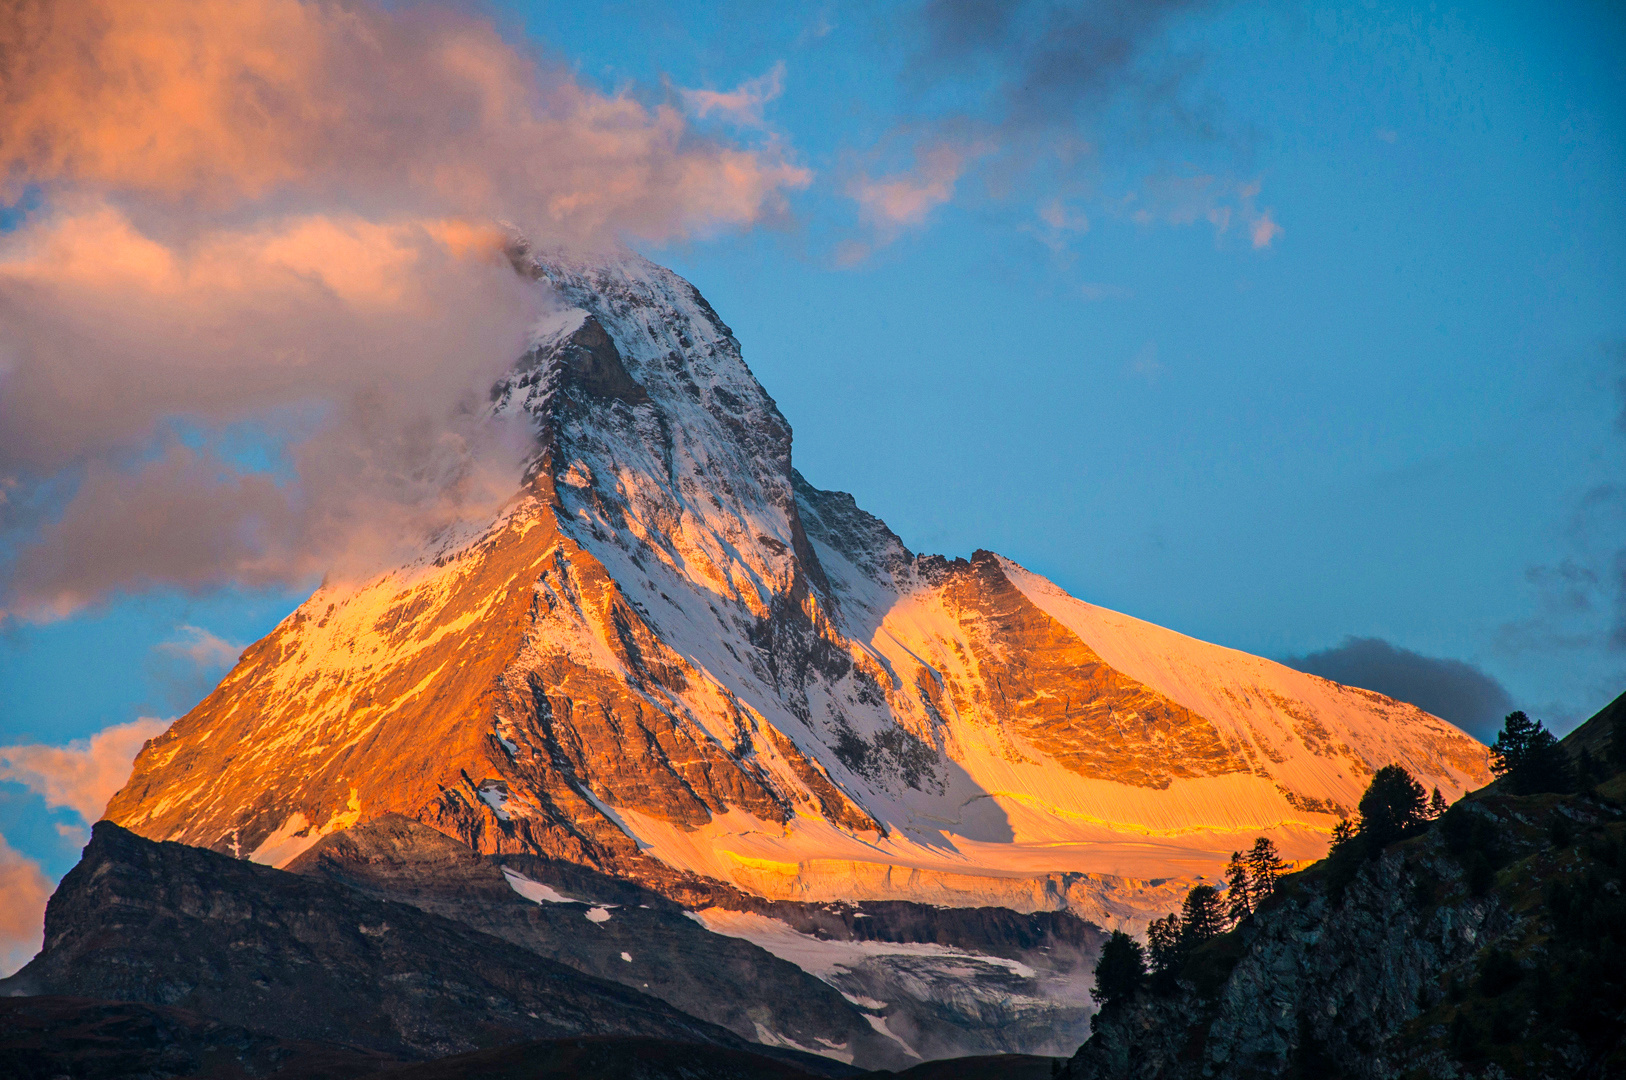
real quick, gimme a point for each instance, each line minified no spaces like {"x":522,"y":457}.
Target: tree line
{"x":1394,"y":807}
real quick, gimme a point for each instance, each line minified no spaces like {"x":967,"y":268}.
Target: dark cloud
{"x":1453,"y":690}
{"x":1056,"y":60}
{"x":1035,"y":97}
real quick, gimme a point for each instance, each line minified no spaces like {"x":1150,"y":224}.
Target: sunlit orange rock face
{"x":673,"y":658}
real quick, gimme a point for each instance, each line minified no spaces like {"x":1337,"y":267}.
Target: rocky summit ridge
{"x":672,"y":659}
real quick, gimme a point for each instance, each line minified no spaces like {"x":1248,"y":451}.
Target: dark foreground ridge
{"x":1492,"y":945}
{"x":163,"y":960}
{"x":298,"y":958}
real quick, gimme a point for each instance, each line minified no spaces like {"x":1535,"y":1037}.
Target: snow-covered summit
{"x":673,"y":658}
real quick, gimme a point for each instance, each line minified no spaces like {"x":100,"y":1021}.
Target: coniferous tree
{"x":1529,"y":756}
{"x":1391,"y":809}
{"x":1343,"y":834}
{"x":1238,"y":890}
{"x":1120,"y":972}
{"x":1163,"y":937}
{"x":1264,"y":867}
{"x":1436,"y":806}
{"x":1202,"y":917}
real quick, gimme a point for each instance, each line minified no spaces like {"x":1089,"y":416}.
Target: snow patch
{"x":496,"y":798}
{"x":773,"y":1038}
{"x":535,"y":891}
{"x":597,"y":915}
{"x":879,"y":1024}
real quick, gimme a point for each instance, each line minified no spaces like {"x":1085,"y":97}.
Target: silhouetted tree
{"x":1264,"y":867}
{"x":1436,"y":806}
{"x":1343,"y":834}
{"x":1391,"y":809}
{"x":1529,"y":756}
{"x":1202,"y":917}
{"x":1238,"y":890}
{"x":1164,"y":937}
{"x":1120,"y":972}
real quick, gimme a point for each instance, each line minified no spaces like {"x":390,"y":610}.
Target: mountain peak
{"x":672,"y":658}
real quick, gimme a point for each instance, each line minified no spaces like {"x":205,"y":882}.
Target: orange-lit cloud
{"x":353,"y":105}
{"x":24,"y":889}
{"x":257,"y":210}
{"x":84,"y":774}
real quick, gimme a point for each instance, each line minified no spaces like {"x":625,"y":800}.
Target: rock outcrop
{"x":1490,"y":947}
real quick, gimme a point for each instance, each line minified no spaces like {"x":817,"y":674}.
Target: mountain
{"x":672,"y":657}
{"x":672,"y":661}
{"x":303,"y":959}
{"x":1494,"y":945}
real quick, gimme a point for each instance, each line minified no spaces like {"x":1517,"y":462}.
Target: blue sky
{"x":1396,"y":410}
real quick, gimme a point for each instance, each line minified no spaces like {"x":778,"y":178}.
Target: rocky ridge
{"x":1487,"y":948}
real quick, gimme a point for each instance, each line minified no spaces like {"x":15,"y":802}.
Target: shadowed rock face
{"x":672,"y":659}
{"x":42,"y":1038}
{"x":641,"y":940}
{"x":304,"y":959}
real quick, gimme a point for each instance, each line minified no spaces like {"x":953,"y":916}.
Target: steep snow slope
{"x":672,"y":657}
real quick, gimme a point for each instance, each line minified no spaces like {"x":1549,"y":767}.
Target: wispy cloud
{"x":83,"y":775}
{"x":743,"y":105}
{"x":905,"y":199}
{"x":1201,"y":198}
{"x":1041,"y":87}
{"x":205,"y":649}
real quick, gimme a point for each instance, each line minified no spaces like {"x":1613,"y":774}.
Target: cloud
{"x":286,"y":214}
{"x":202,"y":648}
{"x":1047,"y":89}
{"x":1580,"y":600}
{"x":904,"y":200}
{"x":1450,"y":689}
{"x":84,"y":774}
{"x":742,"y":105}
{"x":1099,"y":290}
{"x":24,"y":889}
{"x":358,"y":106}
{"x":1262,"y":230}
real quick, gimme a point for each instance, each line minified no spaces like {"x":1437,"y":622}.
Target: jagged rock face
{"x":673,"y":658}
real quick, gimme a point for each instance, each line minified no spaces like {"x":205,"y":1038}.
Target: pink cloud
{"x":1263,"y":230}
{"x":905,"y":200}
{"x":424,"y":109}
{"x":743,"y":105}
{"x":84,"y":774}
{"x":24,"y":889}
